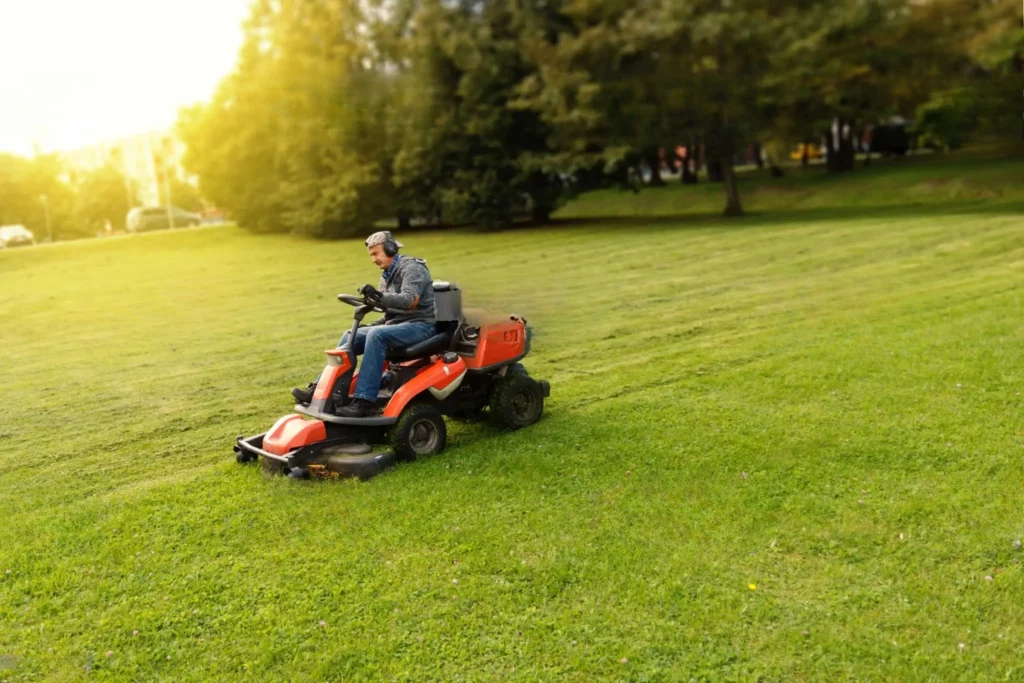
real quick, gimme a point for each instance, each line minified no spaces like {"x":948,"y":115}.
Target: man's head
{"x":383,"y":248}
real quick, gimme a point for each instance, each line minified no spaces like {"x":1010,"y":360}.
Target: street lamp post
{"x":46,"y":212}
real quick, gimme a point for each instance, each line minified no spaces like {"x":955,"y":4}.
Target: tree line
{"x":341,"y":113}
{"x":60,"y":202}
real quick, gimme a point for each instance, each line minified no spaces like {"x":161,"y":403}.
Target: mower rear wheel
{"x":419,"y":431}
{"x":516,"y":401}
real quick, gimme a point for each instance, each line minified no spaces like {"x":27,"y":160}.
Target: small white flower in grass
{"x":624,"y":661}
{"x":901,"y":536}
{"x":110,"y":653}
{"x":168,"y":657}
{"x":988,"y":578}
{"x":860,"y":502}
{"x":455,"y":581}
{"x":135,"y":633}
{"x":959,"y":386}
{"x":323,"y":624}
{"x":8,"y":571}
{"x":962,"y":647}
{"x":1017,"y":543}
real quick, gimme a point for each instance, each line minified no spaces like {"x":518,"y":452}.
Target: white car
{"x":15,"y":236}
{"x":143,"y":218}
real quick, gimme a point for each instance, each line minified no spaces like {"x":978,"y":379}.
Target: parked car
{"x":143,"y":218}
{"x":813,"y":152}
{"x":15,"y":236}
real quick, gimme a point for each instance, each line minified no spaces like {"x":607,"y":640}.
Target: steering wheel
{"x":358,"y":301}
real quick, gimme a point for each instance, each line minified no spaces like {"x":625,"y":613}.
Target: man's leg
{"x":306,"y":395}
{"x":378,"y":341}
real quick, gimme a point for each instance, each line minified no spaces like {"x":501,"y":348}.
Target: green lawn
{"x":787,"y":447}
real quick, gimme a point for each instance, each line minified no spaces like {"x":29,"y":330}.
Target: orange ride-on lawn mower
{"x":458,"y":372}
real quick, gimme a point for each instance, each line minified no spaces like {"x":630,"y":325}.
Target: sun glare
{"x":77,"y":73}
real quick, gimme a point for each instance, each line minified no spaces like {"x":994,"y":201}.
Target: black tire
{"x":516,"y":369}
{"x":420,"y":430}
{"x":516,"y":401}
{"x":243,"y":457}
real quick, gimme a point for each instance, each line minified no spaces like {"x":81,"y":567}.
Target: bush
{"x":948,"y":119}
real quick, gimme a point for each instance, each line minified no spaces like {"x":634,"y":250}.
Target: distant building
{"x":143,"y":158}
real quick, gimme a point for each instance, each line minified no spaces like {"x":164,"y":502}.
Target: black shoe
{"x":357,"y":408}
{"x":303,"y":396}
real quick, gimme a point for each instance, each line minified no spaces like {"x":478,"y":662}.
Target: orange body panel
{"x":337,"y":364}
{"x":499,"y":341}
{"x":438,"y":375}
{"x":291,"y":432}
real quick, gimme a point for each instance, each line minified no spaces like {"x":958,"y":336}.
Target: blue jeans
{"x":372,"y":344}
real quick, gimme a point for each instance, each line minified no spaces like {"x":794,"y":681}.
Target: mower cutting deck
{"x":459,"y":372}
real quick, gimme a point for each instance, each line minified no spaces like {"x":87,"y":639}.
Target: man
{"x":405,"y":284}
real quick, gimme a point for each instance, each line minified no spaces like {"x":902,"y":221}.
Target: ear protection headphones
{"x":390,"y":245}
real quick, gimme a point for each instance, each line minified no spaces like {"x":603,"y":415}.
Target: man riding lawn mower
{"x":421,"y":361}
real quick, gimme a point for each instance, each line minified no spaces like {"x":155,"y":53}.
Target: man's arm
{"x":415,"y":279}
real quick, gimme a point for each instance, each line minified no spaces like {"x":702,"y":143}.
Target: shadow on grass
{"x":789,"y":216}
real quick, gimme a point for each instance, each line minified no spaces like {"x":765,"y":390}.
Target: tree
{"x":104,"y":196}
{"x":33,"y":194}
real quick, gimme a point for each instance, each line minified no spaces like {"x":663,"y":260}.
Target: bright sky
{"x":76,"y":72}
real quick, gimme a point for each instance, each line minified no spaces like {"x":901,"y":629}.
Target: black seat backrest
{"x":447,"y":302}
{"x":439,"y":343}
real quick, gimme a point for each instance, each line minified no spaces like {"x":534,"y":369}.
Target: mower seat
{"x":439,"y":343}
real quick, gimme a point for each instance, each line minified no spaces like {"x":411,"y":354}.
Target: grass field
{"x":786,"y":447}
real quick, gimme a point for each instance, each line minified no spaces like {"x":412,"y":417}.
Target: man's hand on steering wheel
{"x":370,"y":293}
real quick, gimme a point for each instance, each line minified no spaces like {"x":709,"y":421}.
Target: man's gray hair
{"x":380,"y":238}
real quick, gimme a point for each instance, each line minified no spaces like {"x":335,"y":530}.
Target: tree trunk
{"x":689,"y":175}
{"x":805,"y":157}
{"x":732,"y":193}
{"x":847,"y":149}
{"x":654,"y":162}
{"x":715,"y":169}
{"x":757,"y":155}
{"x":839,"y":150}
{"x":404,"y":220}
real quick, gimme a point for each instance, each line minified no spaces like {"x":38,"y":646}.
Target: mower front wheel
{"x":419,"y":431}
{"x":517,"y":401}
